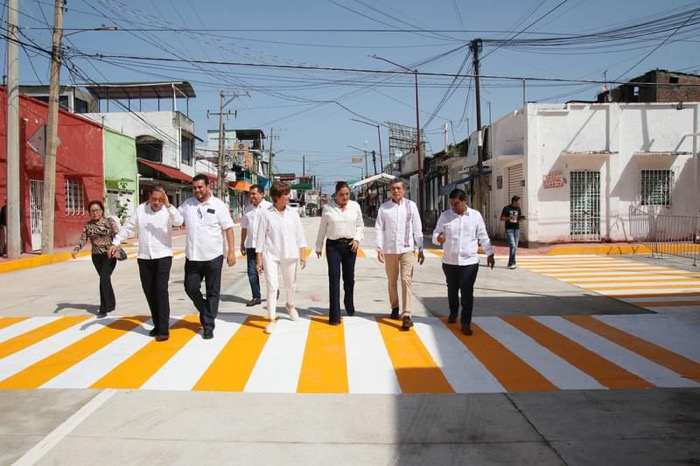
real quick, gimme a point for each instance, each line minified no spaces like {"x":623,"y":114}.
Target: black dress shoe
{"x":335,"y":323}
{"x":351,"y":312}
{"x":208,"y":334}
{"x":452,"y":319}
{"x":395,"y":313}
{"x":162,"y":337}
{"x":407,"y":323}
{"x":467,"y":329}
{"x":253,"y":302}
{"x":102,"y":314}
{"x":153,"y":332}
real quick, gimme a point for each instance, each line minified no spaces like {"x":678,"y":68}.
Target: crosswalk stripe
{"x":139,"y":367}
{"x":647,"y":304}
{"x":682,"y":286}
{"x":605,"y":372}
{"x":512,"y":372}
{"x":23,"y":326}
{"x":652,"y":352}
{"x":324,"y":369}
{"x":369,"y":366}
{"x":20,"y":342}
{"x":38,"y":374}
{"x":415,"y":369}
{"x":7,"y":321}
{"x":631,"y":279}
{"x":656,"y":295}
{"x":605,"y":274}
{"x":360,"y":253}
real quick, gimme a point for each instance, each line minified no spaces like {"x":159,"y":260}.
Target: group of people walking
{"x":274,"y":243}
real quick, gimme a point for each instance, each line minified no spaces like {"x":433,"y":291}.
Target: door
{"x":584,"y":206}
{"x":36,"y":201}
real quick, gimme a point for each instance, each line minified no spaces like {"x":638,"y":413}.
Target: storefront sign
{"x":553,"y":180}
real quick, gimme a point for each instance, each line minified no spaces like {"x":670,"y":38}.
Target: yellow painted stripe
{"x":631,"y":280}
{"x":568,"y":276}
{"x":512,"y":372}
{"x":604,"y":371}
{"x":437,"y":252}
{"x":231,"y":369}
{"x":141,"y":366}
{"x":7,"y":321}
{"x":644,"y":287}
{"x":654,"y":295}
{"x":661,"y":356}
{"x":38,"y":374}
{"x":664,"y":303}
{"x":25,"y":340}
{"x":415,"y":369}
{"x":324,"y":368}
{"x":360,"y":253}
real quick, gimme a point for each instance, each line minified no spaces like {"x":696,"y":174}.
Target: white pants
{"x":288,"y":267}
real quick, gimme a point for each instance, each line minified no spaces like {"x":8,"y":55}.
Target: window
{"x":80,"y":106}
{"x":187,"y":150}
{"x":673,"y":79}
{"x":75,"y":200}
{"x":656,"y":187}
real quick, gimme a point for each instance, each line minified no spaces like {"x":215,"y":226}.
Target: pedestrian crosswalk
{"x":365,"y":355}
{"x":644,"y":285}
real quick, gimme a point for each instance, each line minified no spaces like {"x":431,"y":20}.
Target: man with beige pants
{"x":399,"y":233}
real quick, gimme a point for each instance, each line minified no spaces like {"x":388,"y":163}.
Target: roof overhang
{"x":589,"y":153}
{"x":503,"y":160}
{"x":383,"y":178}
{"x":661,"y":153}
{"x":161,"y":90}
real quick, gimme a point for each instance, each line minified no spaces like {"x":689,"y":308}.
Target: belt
{"x":341,"y":240}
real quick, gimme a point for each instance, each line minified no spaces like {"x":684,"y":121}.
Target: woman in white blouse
{"x":280,"y":246}
{"x":343,"y":228}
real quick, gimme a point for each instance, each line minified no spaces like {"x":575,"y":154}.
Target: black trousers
{"x":210,"y":272}
{"x":339,"y":256}
{"x":105,"y":266}
{"x":460,"y":279}
{"x":155,"y":274}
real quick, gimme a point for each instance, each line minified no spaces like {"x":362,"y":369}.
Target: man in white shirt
{"x":208,"y":221}
{"x":399,"y":233}
{"x":460,"y":231}
{"x":249,"y":232}
{"x":154,"y":220}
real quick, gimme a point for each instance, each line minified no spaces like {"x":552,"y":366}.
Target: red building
{"x":79,"y":171}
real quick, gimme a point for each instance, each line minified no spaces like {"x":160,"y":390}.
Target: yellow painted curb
{"x":602,"y":249}
{"x":38,"y":261}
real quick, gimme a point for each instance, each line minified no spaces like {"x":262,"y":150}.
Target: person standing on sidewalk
{"x":154,"y":220}
{"x":343,"y":228}
{"x":279,"y":247}
{"x":399,"y":233}
{"x":460,"y":230}
{"x":249,"y":233}
{"x":100,"y":231}
{"x":512,"y":215}
{"x":207,"y":221}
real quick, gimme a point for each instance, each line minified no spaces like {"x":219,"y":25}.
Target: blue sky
{"x":311,"y":109}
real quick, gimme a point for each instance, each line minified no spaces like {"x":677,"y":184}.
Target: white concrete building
{"x":580,"y":166}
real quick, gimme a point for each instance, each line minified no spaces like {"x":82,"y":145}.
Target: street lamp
{"x":418,"y":144}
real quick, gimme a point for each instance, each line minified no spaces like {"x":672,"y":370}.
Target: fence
{"x":671,"y":235}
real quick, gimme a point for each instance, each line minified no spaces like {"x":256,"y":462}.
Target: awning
{"x":169,"y":172}
{"x":241,"y":185}
{"x":383,"y":178}
{"x":662,"y":153}
{"x":447,"y":189}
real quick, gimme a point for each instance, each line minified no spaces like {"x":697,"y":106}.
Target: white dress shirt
{"x":280,"y":234}
{"x":250,"y":221}
{"x":206,"y":223}
{"x":398,"y":227}
{"x":463,"y":235}
{"x":337,"y":223}
{"x":155,"y":230}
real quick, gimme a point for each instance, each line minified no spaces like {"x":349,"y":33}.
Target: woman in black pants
{"x":100,"y":231}
{"x":343,"y":228}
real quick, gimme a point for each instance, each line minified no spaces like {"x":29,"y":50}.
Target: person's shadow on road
{"x":90,"y":308}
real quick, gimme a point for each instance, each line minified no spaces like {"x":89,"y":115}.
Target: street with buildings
{"x":575,"y":359}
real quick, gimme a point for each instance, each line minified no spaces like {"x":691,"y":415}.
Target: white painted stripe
{"x":370,"y":253}
{"x":24,"y":326}
{"x":589,"y":268}
{"x":622,"y":283}
{"x":660,"y":290}
{"x":186,"y":367}
{"x":664,"y":330}
{"x":279,"y":364}
{"x":368,"y":362}
{"x":45,"y":348}
{"x":634,"y":363}
{"x":59,"y":433}
{"x":98,"y":364}
{"x":552,"y":367}
{"x":463,"y":370}
{"x":666,"y":279}
{"x":669,"y":298}
{"x":613,"y":274}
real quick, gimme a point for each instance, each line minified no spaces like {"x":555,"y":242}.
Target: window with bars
{"x":656,"y":187}
{"x":75,"y":200}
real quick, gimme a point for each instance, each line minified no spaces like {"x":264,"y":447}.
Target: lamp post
{"x":418,"y":144}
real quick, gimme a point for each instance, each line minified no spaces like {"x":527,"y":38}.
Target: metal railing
{"x":666,"y":235}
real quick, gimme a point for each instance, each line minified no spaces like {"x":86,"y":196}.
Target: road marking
{"x":648,"y":304}
{"x":369,"y":365}
{"x":7,"y":321}
{"x":324,"y":369}
{"x":20,"y":342}
{"x":23,"y":326}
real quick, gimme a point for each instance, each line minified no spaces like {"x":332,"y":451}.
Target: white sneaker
{"x":511,"y":267}
{"x":293,"y":314}
{"x":269,"y":328}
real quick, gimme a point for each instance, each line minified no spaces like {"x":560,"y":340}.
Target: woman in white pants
{"x":280,"y":246}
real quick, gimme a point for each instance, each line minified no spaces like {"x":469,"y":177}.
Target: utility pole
{"x":374,"y":161}
{"x":272,"y":155}
{"x":475,"y":46}
{"x":303,"y":165}
{"x":14,"y":242}
{"x":222,"y":189}
{"x":47,"y":208}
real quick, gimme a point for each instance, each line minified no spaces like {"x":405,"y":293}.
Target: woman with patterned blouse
{"x":100,"y":231}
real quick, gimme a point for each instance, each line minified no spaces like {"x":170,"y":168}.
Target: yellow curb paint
{"x":512,"y":372}
{"x":26,"y":340}
{"x":38,"y":374}
{"x":609,"y":374}
{"x":648,"y":304}
{"x":138,"y":368}
{"x":7,"y":321}
{"x":231,"y":369}
{"x":38,"y":261}
{"x":603,"y":250}
{"x":324,"y":368}
{"x":661,"y":356}
{"x":416,"y":370}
